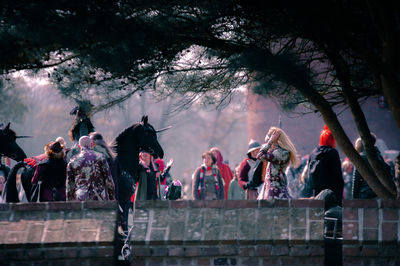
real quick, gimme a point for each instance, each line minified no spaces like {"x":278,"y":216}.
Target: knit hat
{"x":253,"y":145}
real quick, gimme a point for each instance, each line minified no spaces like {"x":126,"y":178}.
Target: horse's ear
{"x":7,"y":127}
{"x":145,"y":119}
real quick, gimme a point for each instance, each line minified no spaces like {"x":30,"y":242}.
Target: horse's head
{"x":8,"y":144}
{"x":149,"y":140}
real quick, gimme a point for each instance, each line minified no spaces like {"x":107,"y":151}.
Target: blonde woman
{"x":278,"y":151}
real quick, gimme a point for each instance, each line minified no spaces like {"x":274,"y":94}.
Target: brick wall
{"x":280,"y":232}
{"x":276,"y":232}
{"x":371,"y":232}
{"x":58,"y":233}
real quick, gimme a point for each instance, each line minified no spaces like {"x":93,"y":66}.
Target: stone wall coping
{"x":303,"y":203}
{"x":371,"y":203}
{"x":43,"y":206}
{"x":49,"y":206}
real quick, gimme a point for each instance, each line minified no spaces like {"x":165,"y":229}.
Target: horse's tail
{"x":10,"y":193}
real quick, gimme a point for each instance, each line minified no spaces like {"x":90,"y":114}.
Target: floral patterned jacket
{"x":89,"y":177}
{"x":275,"y":180}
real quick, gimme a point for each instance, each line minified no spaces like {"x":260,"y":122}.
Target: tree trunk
{"x":377,"y":165}
{"x":343,"y":141}
{"x":368,"y":143}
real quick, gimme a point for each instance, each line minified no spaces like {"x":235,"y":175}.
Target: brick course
{"x":276,"y":232}
{"x":371,"y":232}
{"x":229,"y":232}
{"x":58,"y":232}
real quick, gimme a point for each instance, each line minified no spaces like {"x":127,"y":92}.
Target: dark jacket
{"x":244,"y":169}
{"x":327,"y":174}
{"x":148,"y":185}
{"x":53,"y":174}
{"x":361,"y":189}
{"x":397,"y":174}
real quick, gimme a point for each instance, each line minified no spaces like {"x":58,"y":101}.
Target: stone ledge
{"x":56,"y":253}
{"x":306,"y":203}
{"x":58,"y":206}
{"x":274,"y":203}
{"x":199,"y":251}
{"x":301,"y":203}
{"x":241,"y":204}
{"x":360,"y":203}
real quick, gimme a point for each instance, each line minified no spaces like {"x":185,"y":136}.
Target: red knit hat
{"x":326,"y":138}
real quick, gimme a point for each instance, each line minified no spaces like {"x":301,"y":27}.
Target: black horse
{"x":139,"y":137}
{"x":136,"y":138}
{"x":8,"y":144}
{"x":10,"y":148}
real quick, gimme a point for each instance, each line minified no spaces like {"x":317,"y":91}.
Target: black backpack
{"x":313,"y":172}
{"x":174,"y":192}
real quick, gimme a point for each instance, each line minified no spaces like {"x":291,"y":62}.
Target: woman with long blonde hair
{"x":278,"y":151}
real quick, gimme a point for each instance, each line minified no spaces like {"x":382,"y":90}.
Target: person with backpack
{"x":279,"y":151}
{"x":207,"y":181}
{"x":323,"y":169}
{"x":360,"y":188}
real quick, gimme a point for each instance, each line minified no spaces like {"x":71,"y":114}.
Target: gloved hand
{"x":248,"y":185}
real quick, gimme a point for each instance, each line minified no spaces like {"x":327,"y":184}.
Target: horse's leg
{"x":26,"y":177}
{"x":10,"y":193}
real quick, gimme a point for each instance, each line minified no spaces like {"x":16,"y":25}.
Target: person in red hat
{"x":226,"y":172}
{"x":323,"y":169}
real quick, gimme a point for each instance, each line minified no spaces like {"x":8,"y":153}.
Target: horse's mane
{"x":121,"y":138}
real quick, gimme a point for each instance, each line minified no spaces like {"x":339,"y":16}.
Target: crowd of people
{"x":272,"y":170}
{"x":275,"y":170}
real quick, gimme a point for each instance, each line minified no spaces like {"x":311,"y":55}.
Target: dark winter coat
{"x":361,"y":189}
{"x":148,"y":185}
{"x":328,"y":173}
{"x":244,"y":169}
{"x":397,"y":174}
{"x":53,"y":174}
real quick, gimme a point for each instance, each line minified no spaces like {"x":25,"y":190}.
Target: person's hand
{"x":171,"y":161}
{"x":275,"y":135}
{"x":248,"y":185}
{"x":158,"y":174}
